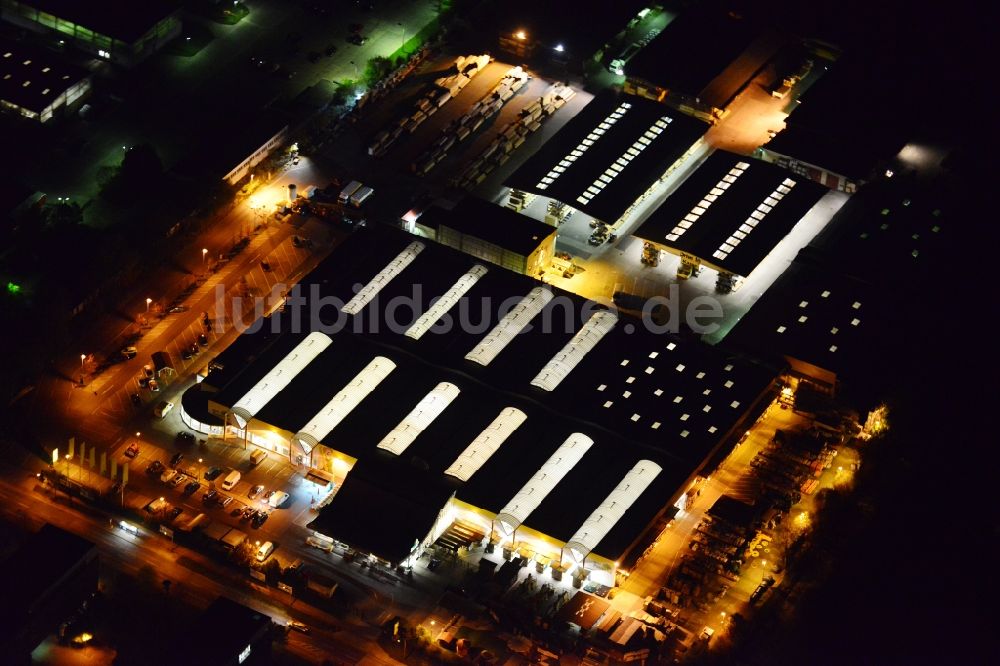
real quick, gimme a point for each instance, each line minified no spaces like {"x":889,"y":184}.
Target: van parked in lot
{"x":257,"y":456}
{"x":162,"y":409}
{"x":231,"y":480}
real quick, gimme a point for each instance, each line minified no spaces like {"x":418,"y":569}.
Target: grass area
{"x":414,"y":43}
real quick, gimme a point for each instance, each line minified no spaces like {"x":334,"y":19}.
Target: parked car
{"x":259,"y":518}
{"x":154,"y":467}
{"x":154,"y":386}
{"x":203,"y":340}
{"x":133,"y":450}
{"x":210,"y":496}
{"x":168,"y":475}
{"x":136,"y":399}
{"x":162,"y":409}
{"x":264,"y":551}
{"x":178,"y":480}
{"x":128,"y":353}
{"x":256,"y":490}
{"x":186,"y":438}
{"x":186,"y":354}
{"x":277,"y":497}
{"x":225,"y":500}
{"x":191,"y":488}
{"x":143,"y":381}
{"x":174,"y":512}
{"x":177,"y":309}
{"x":213,"y":473}
{"x":147,"y":370}
{"x":176,"y":459}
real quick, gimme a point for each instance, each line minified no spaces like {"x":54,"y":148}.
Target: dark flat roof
{"x":223,"y":631}
{"x":733,"y":511}
{"x":730,"y":211}
{"x":492,"y":223}
{"x":389,"y":500}
{"x":47,"y":554}
{"x":638,"y":174}
{"x":108,"y":17}
{"x":38,"y":83}
{"x":816,"y":314}
{"x":705,"y":52}
{"x":848,"y":121}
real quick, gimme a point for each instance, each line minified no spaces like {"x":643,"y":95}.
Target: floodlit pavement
{"x":732,"y":478}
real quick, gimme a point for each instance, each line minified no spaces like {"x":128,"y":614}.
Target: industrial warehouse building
{"x":728,"y":215}
{"x":607,"y":159}
{"x":102,"y":28}
{"x":493,"y":233}
{"x":486,"y":405}
{"x":828,"y":137}
{"x":34,"y":83}
{"x":703,"y":58}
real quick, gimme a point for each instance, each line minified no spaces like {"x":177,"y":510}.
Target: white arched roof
{"x":486,"y":444}
{"x":614,"y":506}
{"x":344,"y":402}
{"x":545,"y":479}
{"x":507,"y":328}
{"x":428,"y":409}
{"x":446,"y":302}
{"x":279,"y":377}
{"x":384,"y":277}
{"x":556,"y":370}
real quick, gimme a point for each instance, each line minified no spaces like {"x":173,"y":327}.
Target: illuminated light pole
{"x":83,"y":358}
{"x":148,"y":301}
{"x":204,"y":253}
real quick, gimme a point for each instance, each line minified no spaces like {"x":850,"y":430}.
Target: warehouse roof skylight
{"x":507,"y":328}
{"x":541,"y":484}
{"x":279,"y":377}
{"x":486,"y":444}
{"x":422,"y":416}
{"x":446,"y":302}
{"x":707,"y":200}
{"x":375,"y":285}
{"x":569,"y":356}
{"x":344,"y":402}
{"x":614,"y":506}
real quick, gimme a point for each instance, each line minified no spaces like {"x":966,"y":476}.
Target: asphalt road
{"x":195,"y":578}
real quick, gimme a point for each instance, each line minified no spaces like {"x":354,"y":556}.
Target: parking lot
{"x":273,"y":474}
{"x":396,"y":186}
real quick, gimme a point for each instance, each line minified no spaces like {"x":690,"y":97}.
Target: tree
{"x":377,"y":69}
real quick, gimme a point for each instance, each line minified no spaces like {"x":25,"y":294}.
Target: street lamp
{"x":559,"y":48}
{"x":148,"y":301}
{"x":83,"y":357}
{"x":204,"y":253}
{"x":520,"y":35}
